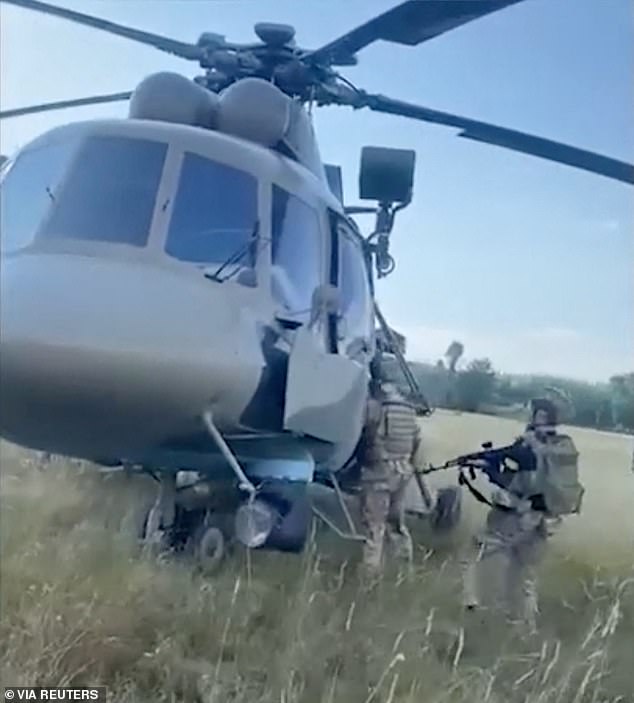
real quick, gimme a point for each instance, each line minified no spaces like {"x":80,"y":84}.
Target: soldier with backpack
{"x":387,"y":452}
{"x":523,"y":513}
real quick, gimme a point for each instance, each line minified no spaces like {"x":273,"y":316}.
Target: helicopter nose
{"x":99,"y":357}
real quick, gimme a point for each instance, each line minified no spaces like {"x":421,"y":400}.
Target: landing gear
{"x":194,"y":533}
{"x":448,"y":509}
{"x":209,"y":529}
{"x":158,"y":525}
{"x":206,"y":519}
{"x":290,"y":530}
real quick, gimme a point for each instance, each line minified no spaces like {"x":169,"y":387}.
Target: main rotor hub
{"x":276,"y":35}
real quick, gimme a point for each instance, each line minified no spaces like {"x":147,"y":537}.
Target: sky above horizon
{"x":527,"y":262}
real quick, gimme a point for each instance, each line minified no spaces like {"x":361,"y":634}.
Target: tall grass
{"x":81,"y":605}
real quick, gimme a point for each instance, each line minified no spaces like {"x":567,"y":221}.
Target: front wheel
{"x":291,"y":531}
{"x":209,"y":549}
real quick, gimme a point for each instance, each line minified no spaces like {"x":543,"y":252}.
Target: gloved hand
{"x":502,"y":498}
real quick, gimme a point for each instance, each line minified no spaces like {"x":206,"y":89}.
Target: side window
{"x":296,"y":252}
{"x":109,"y":192}
{"x":28,"y":191}
{"x":215,"y":213}
{"x":356,"y":297}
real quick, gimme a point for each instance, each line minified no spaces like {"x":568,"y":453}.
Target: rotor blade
{"x":411,"y":23}
{"x":171,"y":46}
{"x":507,"y":138}
{"x":77,"y":102}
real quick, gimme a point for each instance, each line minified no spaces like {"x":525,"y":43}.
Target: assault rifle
{"x":492,"y":461}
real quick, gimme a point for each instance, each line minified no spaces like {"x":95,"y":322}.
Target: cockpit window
{"x":27,"y":191}
{"x":108,"y":193}
{"x":356,"y":297}
{"x":215,"y":213}
{"x":296,"y":252}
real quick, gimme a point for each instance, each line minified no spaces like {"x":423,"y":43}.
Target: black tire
{"x":209,"y":549}
{"x":176,"y":538}
{"x":448,"y":509}
{"x":291,"y":532}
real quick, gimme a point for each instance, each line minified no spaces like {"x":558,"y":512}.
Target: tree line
{"x":477,"y":387}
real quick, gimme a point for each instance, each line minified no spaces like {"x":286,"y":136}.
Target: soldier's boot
{"x":521,"y":600}
{"x":371,"y":567}
{"x":402,"y":547}
{"x":471,"y":566}
{"x":530,"y":607}
{"x":470,"y":595}
{"x":369,"y":578}
{"x":374,"y":509}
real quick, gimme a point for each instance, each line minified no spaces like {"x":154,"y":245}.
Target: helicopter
{"x":184,"y":291}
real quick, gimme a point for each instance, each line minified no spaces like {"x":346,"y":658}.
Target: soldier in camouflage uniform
{"x":389,"y":443}
{"x":517,"y":527}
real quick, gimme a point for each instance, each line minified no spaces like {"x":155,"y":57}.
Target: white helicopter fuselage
{"x":119,"y":330}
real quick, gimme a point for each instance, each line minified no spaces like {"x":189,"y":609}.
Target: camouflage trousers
{"x":507,"y":555}
{"x":383,"y":492}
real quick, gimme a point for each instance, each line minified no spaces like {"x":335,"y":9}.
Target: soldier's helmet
{"x":384,"y":369}
{"x":562,"y":401}
{"x":547,"y":406}
{"x":556,"y":403}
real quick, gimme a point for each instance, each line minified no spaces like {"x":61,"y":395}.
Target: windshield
{"x":26,"y":192}
{"x":98,"y":188}
{"x":215,"y":213}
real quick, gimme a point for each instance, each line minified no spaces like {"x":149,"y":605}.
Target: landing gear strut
{"x":206,"y":519}
{"x":159,"y":521}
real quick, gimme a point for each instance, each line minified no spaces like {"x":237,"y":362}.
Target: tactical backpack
{"x":558,"y":466}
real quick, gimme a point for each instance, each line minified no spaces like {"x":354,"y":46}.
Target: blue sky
{"x":527,"y":262}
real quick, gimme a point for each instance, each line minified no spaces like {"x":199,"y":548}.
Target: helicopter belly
{"x":102,"y":358}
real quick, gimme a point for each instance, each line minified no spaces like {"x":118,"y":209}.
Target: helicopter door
{"x":325,"y":392}
{"x":355,"y":325}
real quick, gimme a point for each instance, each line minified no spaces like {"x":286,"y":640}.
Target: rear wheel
{"x":448,"y":509}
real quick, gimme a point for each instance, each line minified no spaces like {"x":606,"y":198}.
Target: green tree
{"x":622,"y":400}
{"x":454,"y":351}
{"x":475,"y":385}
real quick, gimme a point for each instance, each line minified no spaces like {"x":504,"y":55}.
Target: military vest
{"x":394,"y":425}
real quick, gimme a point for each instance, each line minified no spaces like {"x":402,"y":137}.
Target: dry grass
{"x":81,"y":605}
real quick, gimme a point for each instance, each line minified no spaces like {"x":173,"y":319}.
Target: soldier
{"x":389,"y":443}
{"x":522,"y":513}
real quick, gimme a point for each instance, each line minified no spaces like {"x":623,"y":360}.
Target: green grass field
{"x":79,"y":604}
